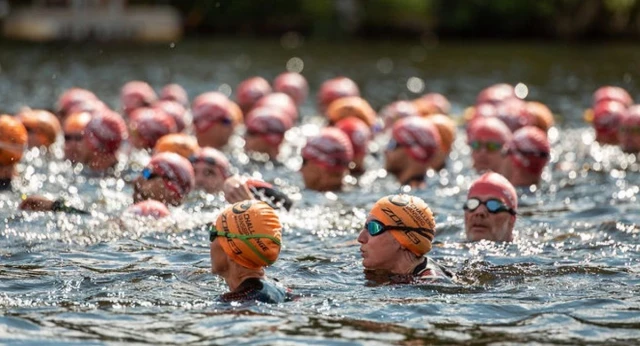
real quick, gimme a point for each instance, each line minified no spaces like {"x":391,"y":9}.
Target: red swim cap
{"x":147,"y":125}
{"x":72,"y":99}
{"x":496,"y":93}
{"x":540,"y":115}
{"x":213,"y":157}
{"x":397,"y":110}
{"x":611,"y":93}
{"x":606,"y":120}
{"x":176,"y":170}
{"x":513,"y":113}
{"x":334,"y":89}
{"x":529,"y":149}
{"x":13,"y":140}
{"x":149,"y":208}
{"x":497,"y":186}
{"x":104,"y":133}
{"x":250,"y":91}
{"x":175,"y":92}
{"x":331,"y":149}
{"x":292,"y":84}
{"x":214,"y":107}
{"x":175,"y":110}
{"x":282,"y":101}
{"x":359,"y":134}
{"x":419,"y":136}
{"x":488,"y":129}
{"x":268,"y":122}
{"x":136,"y":94}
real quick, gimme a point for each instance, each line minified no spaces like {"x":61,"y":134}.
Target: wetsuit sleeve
{"x":59,"y":205}
{"x":272,"y":196}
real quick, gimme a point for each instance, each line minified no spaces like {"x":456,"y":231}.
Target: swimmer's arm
{"x":41,"y":203}
{"x":236,"y":190}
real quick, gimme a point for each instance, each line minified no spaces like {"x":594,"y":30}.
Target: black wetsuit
{"x":5,"y":184}
{"x":260,"y":290}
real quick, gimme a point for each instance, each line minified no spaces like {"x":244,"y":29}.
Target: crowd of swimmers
{"x":188,"y":142}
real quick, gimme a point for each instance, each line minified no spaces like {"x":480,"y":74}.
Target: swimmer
{"x":176,"y":93}
{"x":292,"y":84}
{"x":265,"y":130}
{"x":180,"y":143}
{"x":326,"y":159}
{"x":13,"y":142}
{"x":333,"y":89}
{"x":629,"y":132}
{"x":147,"y":125}
{"x":447,"y":129}
{"x":245,"y":239}
{"x":102,"y":139}
{"x":249,"y":91}
{"x":215,"y":118}
{"x":211,"y":168}
{"x":432,"y":103}
{"x":42,"y":127}
{"x":415,"y":142}
{"x":397,"y":110}
{"x":74,"y":129}
{"x":238,"y":189}
{"x":396,"y":237}
{"x":360,"y":135}
{"x":136,"y":94}
{"x":281,"y":101}
{"x":526,"y":155}
{"x":490,"y":209}
{"x":351,"y":106}
{"x":487,"y":137}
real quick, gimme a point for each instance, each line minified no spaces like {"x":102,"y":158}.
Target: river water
{"x":570,"y":277}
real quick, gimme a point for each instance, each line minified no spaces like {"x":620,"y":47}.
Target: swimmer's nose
{"x":363,"y":237}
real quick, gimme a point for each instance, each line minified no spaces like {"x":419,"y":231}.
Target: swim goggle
{"x":73,"y":137}
{"x":209,"y":160}
{"x":214,"y":233}
{"x":149,"y":174}
{"x":538,"y":154}
{"x":630,"y":129}
{"x":493,"y":206}
{"x":393,"y":144}
{"x":375,"y":227}
{"x":489,"y":146}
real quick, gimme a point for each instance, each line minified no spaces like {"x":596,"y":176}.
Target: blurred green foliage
{"x":450,"y":18}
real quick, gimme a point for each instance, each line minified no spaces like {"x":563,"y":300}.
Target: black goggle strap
{"x":425,"y":232}
{"x":245,"y":239}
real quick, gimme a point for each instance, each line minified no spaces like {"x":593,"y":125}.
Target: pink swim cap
{"x":359,"y":134}
{"x":334,"y":89}
{"x":607,"y":116}
{"x":175,"y":92}
{"x":488,"y":129}
{"x":149,"y":208}
{"x":175,"y":110}
{"x":419,"y":136}
{"x":331,"y":149}
{"x":432,"y":103}
{"x":214,"y":107}
{"x":497,"y":186}
{"x":149,"y":124}
{"x":213,"y":157}
{"x":496,"y":93}
{"x":269,"y":123}
{"x":281,"y":101}
{"x":136,"y":94}
{"x":250,"y":91}
{"x":176,"y":170}
{"x":74,"y":98}
{"x":611,"y":93}
{"x":513,"y":112}
{"x":104,"y":133}
{"x":292,"y":84}
{"x":397,"y":110}
{"x":529,"y":149}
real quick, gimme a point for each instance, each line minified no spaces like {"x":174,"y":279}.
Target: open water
{"x":571,"y":276}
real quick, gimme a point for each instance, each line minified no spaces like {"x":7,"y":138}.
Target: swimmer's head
{"x":333,"y":89}
{"x":266,"y":127}
{"x":629,"y":131}
{"x":175,"y":92}
{"x":136,"y":94}
{"x":490,"y":208}
{"x":351,"y":106}
{"x":105,"y":133}
{"x":360,"y":135}
{"x":175,"y":110}
{"x":416,"y":137}
{"x":541,"y":115}
{"x":397,"y":110}
{"x":249,"y":233}
{"x":612,"y":93}
{"x":211,"y":168}
{"x":606,"y":121}
{"x":398,"y":227}
{"x":167,"y":178}
{"x":487,"y":136}
{"x":292,"y":84}
{"x":496,"y":93}
{"x":42,"y":127}
{"x":280,"y":101}
{"x":75,"y":100}
{"x":149,"y":208}
{"x":326,"y":158}
{"x":13,"y":140}
{"x":432,"y":103}
{"x":179,"y":143}
{"x":250,"y":91}
{"x":528,"y":151}
{"x":214,"y":119}
{"x":147,"y":125}
{"x":74,"y":130}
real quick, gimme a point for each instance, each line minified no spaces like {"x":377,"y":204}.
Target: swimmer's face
{"x":395,"y":160}
{"x":256,"y":143}
{"x":630,"y":139}
{"x":318,"y":178}
{"x":219,"y":259}
{"x":208,"y":177}
{"x":217,"y":136}
{"x":380,"y":252}
{"x":74,"y":148}
{"x":480,"y":224}
{"x":486,"y":157}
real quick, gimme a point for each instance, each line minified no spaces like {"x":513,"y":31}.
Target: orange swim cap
{"x":351,"y":106}
{"x":76,"y":122}
{"x":13,"y":139}
{"x":447,"y":129}
{"x":179,"y":143}
{"x":432,"y":103}
{"x":541,"y":115}
{"x":252,"y":233}
{"x":407,"y":211}
{"x":42,"y":124}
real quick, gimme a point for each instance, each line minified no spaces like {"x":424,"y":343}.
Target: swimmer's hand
{"x":236,"y":190}
{"x":36,"y":203}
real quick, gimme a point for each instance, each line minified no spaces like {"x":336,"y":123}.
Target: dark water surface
{"x":571,"y":276}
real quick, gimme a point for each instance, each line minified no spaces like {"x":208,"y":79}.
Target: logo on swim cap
{"x":240,"y":208}
{"x":399,"y":200}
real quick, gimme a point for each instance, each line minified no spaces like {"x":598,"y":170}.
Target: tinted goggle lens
{"x":493,"y":205}
{"x":489,"y":146}
{"x":374,"y":227}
